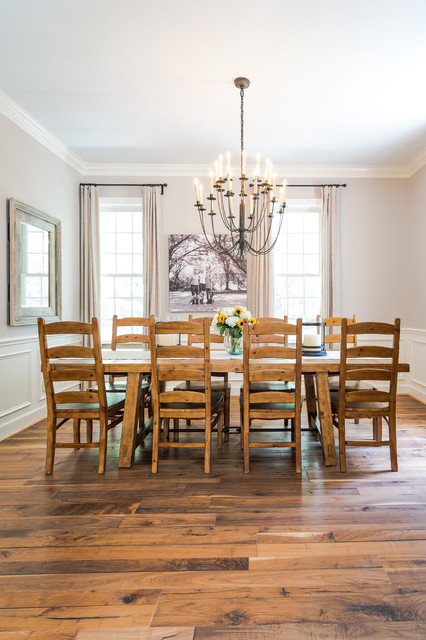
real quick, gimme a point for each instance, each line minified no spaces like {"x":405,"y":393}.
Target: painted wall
{"x":32,"y":174}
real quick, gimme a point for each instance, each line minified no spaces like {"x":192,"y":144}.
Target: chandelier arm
{"x":227,"y":221}
{"x":263,"y":250}
{"x":216,"y":246}
{"x":261,"y":216}
{"x":215,"y":235}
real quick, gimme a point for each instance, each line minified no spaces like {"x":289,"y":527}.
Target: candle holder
{"x":313,"y":344}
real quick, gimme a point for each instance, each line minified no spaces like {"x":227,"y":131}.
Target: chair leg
{"x":103,"y":441}
{"x":377,"y":429}
{"x":246,"y":442}
{"x":342,"y":445}
{"x":208,"y":444}
{"x":392,"y":438}
{"x":227,"y":416}
{"x":176,"y":429}
{"x":298,"y":444}
{"x":50,"y":445}
{"x":89,"y":430}
{"x":220,"y":425}
{"x":241,"y":427}
{"x":155,"y":440}
{"x":76,"y":431}
{"x":166,"y":429}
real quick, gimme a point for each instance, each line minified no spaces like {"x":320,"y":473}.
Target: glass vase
{"x":233,"y":346}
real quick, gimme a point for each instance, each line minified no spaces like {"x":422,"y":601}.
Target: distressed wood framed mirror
{"x":35,"y":265}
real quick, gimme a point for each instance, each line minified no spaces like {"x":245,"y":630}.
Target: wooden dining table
{"x":316,"y":372}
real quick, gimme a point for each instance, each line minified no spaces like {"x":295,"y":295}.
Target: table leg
{"x":130,"y":419}
{"x":311,"y":404}
{"x":325,"y":419}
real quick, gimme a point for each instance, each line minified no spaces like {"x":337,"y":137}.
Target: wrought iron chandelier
{"x":254,"y":232}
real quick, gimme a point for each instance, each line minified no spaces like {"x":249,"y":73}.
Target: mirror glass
{"x":35,"y":265}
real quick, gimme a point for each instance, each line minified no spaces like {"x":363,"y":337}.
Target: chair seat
{"x":334,"y":397}
{"x":216,"y":399}
{"x":354,"y":385}
{"x":198,"y":385}
{"x":111,"y":398}
{"x":271,"y":385}
{"x":114,"y":387}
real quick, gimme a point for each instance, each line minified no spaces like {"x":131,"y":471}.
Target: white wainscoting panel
{"x":22,"y":398}
{"x":14,"y":366}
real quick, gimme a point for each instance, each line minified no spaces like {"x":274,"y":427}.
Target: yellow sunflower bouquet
{"x":230,"y":320}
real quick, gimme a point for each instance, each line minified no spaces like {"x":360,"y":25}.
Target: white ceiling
{"x":132,"y":81}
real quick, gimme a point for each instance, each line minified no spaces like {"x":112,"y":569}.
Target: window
{"x":121,"y":251}
{"x":297,"y":262}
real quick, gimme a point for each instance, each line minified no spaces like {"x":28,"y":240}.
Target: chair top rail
{"x":277,"y":327}
{"x":65,"y":327}
{"x":179,"y":327}
{"x":132,"y":322}
{"x":379,"y":328}
{"x":180,"y":351}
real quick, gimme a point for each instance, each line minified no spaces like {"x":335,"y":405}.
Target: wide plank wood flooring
{"x":186,"y":556}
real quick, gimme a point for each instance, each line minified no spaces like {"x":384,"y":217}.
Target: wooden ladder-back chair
{"x":361,"y":402}
{"x":272,"y":404}
{"x":116,"y":382}
{"x":219,"y":384}
{"x":183,"y":404}
{"x":76,"y":405}
{"x":332,"y":338}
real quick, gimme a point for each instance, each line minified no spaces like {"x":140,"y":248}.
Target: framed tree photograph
{"x":201,"y":280}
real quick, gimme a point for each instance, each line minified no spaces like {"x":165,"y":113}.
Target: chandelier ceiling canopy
{"x":251,"y":221}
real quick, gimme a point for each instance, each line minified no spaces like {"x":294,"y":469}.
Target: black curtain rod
{"x":109,"y":184}
{"x":317,"y":185}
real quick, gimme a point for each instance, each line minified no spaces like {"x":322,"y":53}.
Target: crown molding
{"x":16,"y":114}
{"x":417,"y":163}
{"x":289,"y":171}
{"x":20,"y":117}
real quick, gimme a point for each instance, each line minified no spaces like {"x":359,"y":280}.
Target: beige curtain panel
{"x":330,"y":253}
{"x":151,"y":251}
{"x":260,"y":277}
{"x":90,"y":267}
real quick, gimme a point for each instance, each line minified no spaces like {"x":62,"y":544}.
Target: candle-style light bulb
{"x":284,"y":189}
{"x":211,"y":183}
{"x":201,"y":193}
{"x":274,"y":178}
{"x":197,"y":196}
{"x":216,"y":170}
{"x":228,"y":162}
{"x":228,"y":179}
{"x":266,"y":170}
{"x":281,"y":196}
{"x":251,"y":206}
{"x":258,"y":156}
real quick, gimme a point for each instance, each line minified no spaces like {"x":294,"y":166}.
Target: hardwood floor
{"x":187,"y":556}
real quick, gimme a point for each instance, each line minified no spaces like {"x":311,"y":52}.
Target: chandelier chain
{"x":242,"y":119}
